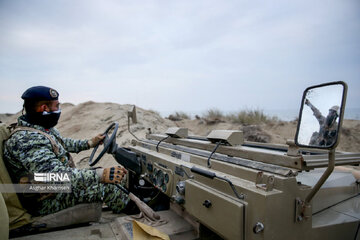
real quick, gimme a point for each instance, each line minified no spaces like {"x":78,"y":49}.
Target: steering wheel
{"x":107,"y":143}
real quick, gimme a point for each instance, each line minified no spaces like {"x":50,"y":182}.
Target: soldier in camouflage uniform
{"x":328,"y":126}
{"x":30,"y":151}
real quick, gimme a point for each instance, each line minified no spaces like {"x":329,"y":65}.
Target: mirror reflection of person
{"x":328,"y":126}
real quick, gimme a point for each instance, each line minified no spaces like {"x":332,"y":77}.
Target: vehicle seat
{"x":18,"y":216}
{"x":4,"y":219}
{"x":81,"y":213}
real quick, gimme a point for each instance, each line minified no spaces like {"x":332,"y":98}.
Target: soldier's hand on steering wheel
{"x":109,"y":143}
{"x":98,"y":139}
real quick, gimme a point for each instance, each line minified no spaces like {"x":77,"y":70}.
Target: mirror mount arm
{"x":130,"y":130}
{"x":132,"y":116}
{"x":323,"y":178}
{"x":303,"y":208}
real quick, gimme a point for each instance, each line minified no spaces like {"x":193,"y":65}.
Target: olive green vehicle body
{"x":270,"y":181}
{"x":243,"y":190}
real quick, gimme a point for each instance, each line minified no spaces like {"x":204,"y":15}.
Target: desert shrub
{"x":177,"y":116}
{"x":254,"y":133}
{"x":182,"y":115}
{"x":213,"y":114}
{"x":250,"y":117}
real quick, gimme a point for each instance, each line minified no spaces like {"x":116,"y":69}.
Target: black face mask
{"x":44,"y":119}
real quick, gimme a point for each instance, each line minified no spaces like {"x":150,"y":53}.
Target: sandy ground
{"x":85,"y":120}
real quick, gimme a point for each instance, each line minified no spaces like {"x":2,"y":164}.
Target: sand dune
{"x":85,"y":120}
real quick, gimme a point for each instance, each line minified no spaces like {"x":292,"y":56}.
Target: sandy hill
{"x":85,"y":120}
{"x":88,"y":119}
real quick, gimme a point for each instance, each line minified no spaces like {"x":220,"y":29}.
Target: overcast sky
{"x":179,"y":55}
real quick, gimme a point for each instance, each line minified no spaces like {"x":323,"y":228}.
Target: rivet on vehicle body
{"x":207,"y":203}
{"x":258,"y":228}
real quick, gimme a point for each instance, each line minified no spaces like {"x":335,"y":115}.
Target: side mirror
{"x":321,"y":115}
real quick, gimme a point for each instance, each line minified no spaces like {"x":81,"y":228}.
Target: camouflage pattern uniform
{"x":326,"y":135}
{"x":28,"y":152}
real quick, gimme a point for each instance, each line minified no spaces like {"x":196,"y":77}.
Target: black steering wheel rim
{"x":107,"y":145}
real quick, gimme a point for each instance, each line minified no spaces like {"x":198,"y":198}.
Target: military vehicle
{"x":222,"y":187}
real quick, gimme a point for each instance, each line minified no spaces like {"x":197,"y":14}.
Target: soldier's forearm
{"x":75,"y":146}
{"x":314,"y":109}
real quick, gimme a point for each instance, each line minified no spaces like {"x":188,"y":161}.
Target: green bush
{"x":179,"y":116}
{"x":213,"y":114}
{"x":250,"y":117}
{"x":182,"y":115}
